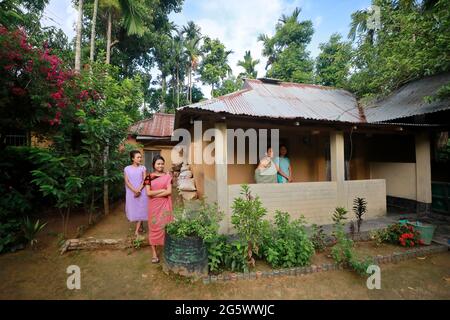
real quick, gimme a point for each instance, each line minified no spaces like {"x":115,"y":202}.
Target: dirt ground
{"x":128,"y":274}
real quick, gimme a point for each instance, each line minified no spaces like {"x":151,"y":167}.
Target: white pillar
{"x":423,"y":172}
{"x":337,"y":162}
{"x":221,"y":171}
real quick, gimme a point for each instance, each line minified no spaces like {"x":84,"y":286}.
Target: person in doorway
{"x":284,"y":167}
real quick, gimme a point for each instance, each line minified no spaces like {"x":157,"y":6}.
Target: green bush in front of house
{"x":286,"y":243}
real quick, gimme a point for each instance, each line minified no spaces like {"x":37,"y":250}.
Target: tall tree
{"x":131,"y":17}
{"x":249,"y":66}
{"x":333,"y":62}
{"x":409,"y":42}
{"x":192,"y":45}
{"x":78,"y":37}
{"x":286,"y":51}
{"x":214,"y":66}
{"x":93,"y":34}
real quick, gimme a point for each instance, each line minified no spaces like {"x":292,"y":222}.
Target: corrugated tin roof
{"x":286,"y":100}
{"x":409,"y":100}
{"x":160,"y":125}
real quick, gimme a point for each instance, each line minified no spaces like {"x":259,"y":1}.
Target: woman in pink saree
{"x":159,"y":189}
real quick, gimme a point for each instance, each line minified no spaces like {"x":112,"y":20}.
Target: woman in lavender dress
{"x":136,"y":202}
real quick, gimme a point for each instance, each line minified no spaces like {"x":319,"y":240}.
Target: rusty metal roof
{"x":409,"y":100}
{"x":286,"y":100}
{"x":159,"y":126}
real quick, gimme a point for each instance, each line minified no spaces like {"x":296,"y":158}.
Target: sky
{"x":237,"y":23}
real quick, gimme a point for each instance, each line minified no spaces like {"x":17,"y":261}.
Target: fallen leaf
{"x":447,"y":279}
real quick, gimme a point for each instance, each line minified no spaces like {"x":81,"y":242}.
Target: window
{"x":148,"y":158}
{"x":16,"y":138}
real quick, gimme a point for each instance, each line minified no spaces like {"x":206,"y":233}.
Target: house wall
{"x":316,"y":201}
{"x":400,"y":178}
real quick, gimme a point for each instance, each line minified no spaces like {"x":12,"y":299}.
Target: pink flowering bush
{"x":35,"y":88}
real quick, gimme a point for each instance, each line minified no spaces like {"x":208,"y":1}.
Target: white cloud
{"x":61,"y":14}
{"x":238,"y":23}
{"x":318,"y":21}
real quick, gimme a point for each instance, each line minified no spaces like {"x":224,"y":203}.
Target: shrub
{"x":202,"y":222}
{"x":247,"y":220}
{"x":226,"y":254}
{"x":342,"y":252}
{"x":318,"y":238}
{"x":286,"y":242}
{"x":398,"y":233}
{"x":31,"y":230}
{"x":359,"y":208}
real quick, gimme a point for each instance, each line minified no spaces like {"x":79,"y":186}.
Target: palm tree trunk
{"x":178,"y":88}
{"x":108,"y":38}
{"x":94,"y":25}
{"x":78,"y":41}
{"x":190,"y":84}
{"x":163,"y":88}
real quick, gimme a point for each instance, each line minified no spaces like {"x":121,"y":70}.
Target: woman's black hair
{"x":287,"y":151}
{"x":133,"y":154}
{"x":156,"y":158}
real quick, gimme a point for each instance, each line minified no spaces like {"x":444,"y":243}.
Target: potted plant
{"x":185,"y":251}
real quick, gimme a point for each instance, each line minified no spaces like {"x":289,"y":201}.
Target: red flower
{"x":17,"y":91}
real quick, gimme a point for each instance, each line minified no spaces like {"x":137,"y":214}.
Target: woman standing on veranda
{"x":159,"y":189}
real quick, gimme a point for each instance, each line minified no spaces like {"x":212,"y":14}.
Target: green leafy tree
{"x":249,"y":64}
{"x":229,"y":85}
{"x":409,"y":43}
{"x":286,"y":51}
{"x":214,"y":66}
{"x":333,"y":62}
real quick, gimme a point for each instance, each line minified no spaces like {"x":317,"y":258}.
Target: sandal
{"x":155,"y":260}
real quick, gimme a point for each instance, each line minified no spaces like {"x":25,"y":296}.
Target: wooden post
{"x":338,"y":164}
{"x":221,"y":170}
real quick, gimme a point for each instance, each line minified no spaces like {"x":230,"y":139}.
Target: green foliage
{"x":137,"y":243}
{"x":318,"y":238}
{"x":411,"y":43}
{"x":227,"y":254}
{"x":202,"y":222}
{"x":249,"y":65}
{"x":31,"y":229}
{"x":441,"y":94}
{"x":247,"y":220}
{"x":286,"y":243}
{"x":399,"y":234}
{"x":333,"y":62}
{"x":214,"y":66}
{"x":10,"y":236}
{"x":359,"y":208}
{"x":286,"y":50}
{"x":339,"y":215}
{"x":342,"y":252}
{"x":236,"y":256}
{"x":58,"y":177}
{"x":229,"y":85}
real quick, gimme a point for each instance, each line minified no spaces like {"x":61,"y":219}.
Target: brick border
{"x":300,"y":271}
